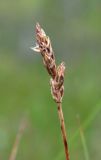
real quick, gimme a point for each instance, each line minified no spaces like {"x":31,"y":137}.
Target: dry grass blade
{"x":17,"y":140}
{"x":57,"y":76}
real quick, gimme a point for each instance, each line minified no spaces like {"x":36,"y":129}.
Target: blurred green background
{"x":74,"y":27}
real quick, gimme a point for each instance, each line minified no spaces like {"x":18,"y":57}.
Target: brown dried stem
{"x":63,"y":130}
{"x":17,"y":140}
{"x":57,"y":76}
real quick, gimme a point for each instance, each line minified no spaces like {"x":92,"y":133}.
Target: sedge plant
{"x":44,"y":47}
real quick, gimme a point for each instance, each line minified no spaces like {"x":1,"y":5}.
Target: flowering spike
{"x":57,"y":76}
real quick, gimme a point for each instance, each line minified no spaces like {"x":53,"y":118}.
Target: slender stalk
{"x":44,"y":47}
{"x":17,"y":140}
{"x":83,"y":140}
{"x":63,"y":130}
{"x":15,"y":147}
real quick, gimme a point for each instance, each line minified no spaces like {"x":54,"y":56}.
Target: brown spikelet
{"x":43,"y":45}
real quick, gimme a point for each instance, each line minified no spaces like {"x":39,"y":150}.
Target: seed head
{"x":43,"y":45}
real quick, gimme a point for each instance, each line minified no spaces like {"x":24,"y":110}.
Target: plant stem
{"x":57,"y":76}
{"x":63,"y":130}
{"x":83,"y":140}
{"x":17,"y":140}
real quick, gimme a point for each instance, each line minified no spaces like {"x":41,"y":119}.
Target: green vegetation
{"x":75,"y":30}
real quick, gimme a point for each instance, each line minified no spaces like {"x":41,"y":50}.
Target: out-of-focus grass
{"x":83,"y":139}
